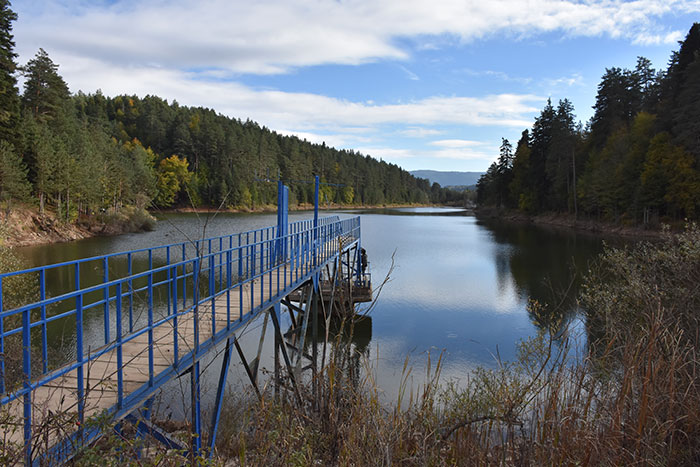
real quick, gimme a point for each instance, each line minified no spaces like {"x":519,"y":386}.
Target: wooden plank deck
{"x":60,"y":396}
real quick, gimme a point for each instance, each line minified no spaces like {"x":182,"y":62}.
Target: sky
{"x":423,"y":84}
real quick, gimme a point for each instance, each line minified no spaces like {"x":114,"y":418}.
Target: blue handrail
{"x":168,"y":288}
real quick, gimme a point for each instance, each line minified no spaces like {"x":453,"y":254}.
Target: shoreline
{"x":23,"y":226}
{"x":569,"y":222}
{"x":296,"y":208}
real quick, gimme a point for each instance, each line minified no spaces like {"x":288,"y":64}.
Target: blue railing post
{"x":105,"y":297}
{"x":229,"y":269}
{"x":221,"y":259}
{"x":79,"y":349}
{"x":131,"y":293}
{"x":247,"y":255}
{"x":195,"y":303}
{"x":211,"y":292}
{"x":184,"y":276}
{"x":27,"y":370}
{"x":358,"y":263}
{"x":44,"y":331}
{"x":174,"y":300}
{"x":120,"y":370}
{"x":150,"y":329}
{"x":252,"y":259}
{"x":240,"y":278}
{"x":168,"y":277}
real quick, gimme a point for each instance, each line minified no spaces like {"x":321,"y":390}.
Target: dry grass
{"x":634,"y":399}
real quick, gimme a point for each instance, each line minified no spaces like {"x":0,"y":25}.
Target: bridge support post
{"x":314,"y":343}
{"x":144,"y":428}
{"x":196,"y":444}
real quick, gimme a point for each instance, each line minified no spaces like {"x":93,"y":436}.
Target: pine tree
{"x":45,"y":92}
{"x":560,"y":153}
{"x":686,"y":111}
{"x":9,"y":97}
{"x":542,"y":133}
{"x":504,"y":173}
{"x":521,"y":185}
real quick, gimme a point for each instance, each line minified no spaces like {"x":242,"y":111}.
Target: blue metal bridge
{"x":149,"y":316}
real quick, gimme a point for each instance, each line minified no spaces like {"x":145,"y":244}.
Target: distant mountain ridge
{"x":446,"y":179}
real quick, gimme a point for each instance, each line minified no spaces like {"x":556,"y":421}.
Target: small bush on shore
{"x":128,"y":219}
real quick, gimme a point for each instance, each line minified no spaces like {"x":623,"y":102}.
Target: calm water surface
{"x":458,"y":286}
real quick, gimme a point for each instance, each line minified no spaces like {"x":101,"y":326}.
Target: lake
{"x":459,"y":287}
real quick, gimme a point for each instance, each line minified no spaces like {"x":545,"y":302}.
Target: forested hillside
{"x":80,"y":154}
{"x":637,"y":160}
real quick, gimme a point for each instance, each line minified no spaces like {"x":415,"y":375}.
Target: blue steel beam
{"x":220,"y":395}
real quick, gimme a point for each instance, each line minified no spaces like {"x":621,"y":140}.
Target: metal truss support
{"x":314,"y":343}
{"x":221,"y":388}
{"x":275,"y":313}
{"x":303,"y":324}
{"x":145,"y":427}
{"x":251,"y":375}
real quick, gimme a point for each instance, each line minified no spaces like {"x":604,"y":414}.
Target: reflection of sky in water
{"x":458,"y":287}
{"x":452,"y":290}
{"x":444,"y":295}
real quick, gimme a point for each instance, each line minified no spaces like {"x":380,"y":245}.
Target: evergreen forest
{"x":79,"y":154}
{"x":637,"y":161}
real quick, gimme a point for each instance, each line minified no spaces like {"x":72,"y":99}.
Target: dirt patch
{"x":25,"y":226}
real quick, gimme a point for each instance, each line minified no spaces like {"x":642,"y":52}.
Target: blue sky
{"x":423,"y":84}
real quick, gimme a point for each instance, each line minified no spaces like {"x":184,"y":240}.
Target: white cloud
{"x":389,"y":154}
{"x":296,"y":111}
{"x":411,"y":75}
{"x":340,"y":140}
{"x":419,"y":132}
{"x":274,"y":36}
{"x":572,"y":80}
{"x":655,"y":39}
{"x":486,"y":154}
{"x":496,"y":74}
{"x":196,"y":51}
{"x":463,"y":154}
{"x":456,"y":143}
